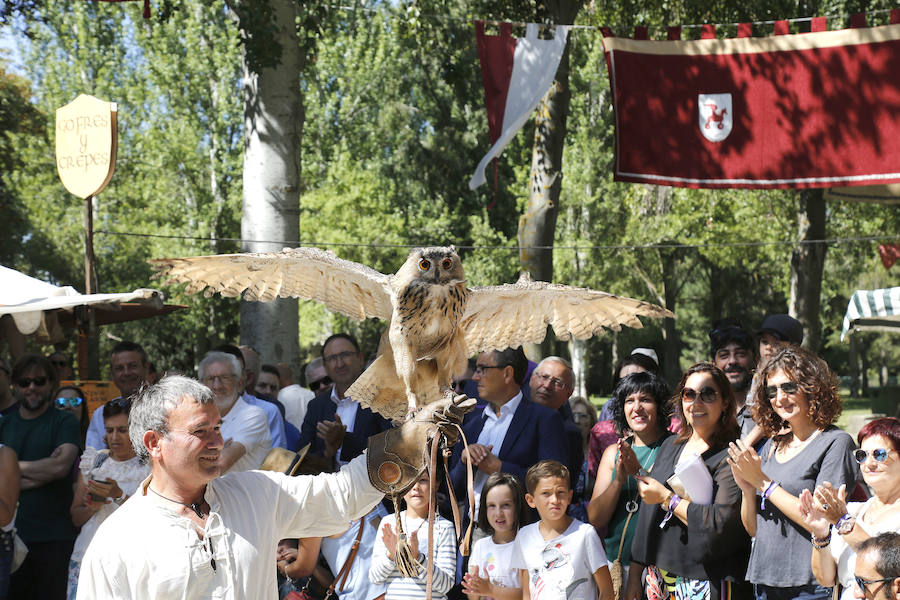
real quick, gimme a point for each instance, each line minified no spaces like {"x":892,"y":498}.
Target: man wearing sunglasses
{"x":46,"y":442}
{"x":877,"y":570}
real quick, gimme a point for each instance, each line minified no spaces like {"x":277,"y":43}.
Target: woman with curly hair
{"x":693,"y":548}
{"x":797,"y":404}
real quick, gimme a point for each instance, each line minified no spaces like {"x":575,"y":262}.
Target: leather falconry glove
{"x":397,"y":457}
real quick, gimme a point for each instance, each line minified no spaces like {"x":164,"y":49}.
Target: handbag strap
{"x":344,"y":573}
{"x":622,"y":539}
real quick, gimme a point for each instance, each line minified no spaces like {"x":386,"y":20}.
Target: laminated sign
{"x":790,"y":111}
{"x":86,"y":144}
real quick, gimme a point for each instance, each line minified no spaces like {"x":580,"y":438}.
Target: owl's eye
{"x":447,"y":264}
{"x":424,"y":264}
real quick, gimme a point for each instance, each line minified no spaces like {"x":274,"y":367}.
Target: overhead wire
{"x":577,"y":247}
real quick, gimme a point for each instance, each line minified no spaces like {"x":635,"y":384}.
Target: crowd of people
{"x":736,"y":483}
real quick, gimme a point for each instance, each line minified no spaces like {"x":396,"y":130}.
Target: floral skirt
{"x":662,"y":585}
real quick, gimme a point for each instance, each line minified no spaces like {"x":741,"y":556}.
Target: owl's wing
{"x":510,"y":315}
{"x":343,"y":286}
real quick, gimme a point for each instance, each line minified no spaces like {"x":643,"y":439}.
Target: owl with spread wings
{"x":435,"y":320}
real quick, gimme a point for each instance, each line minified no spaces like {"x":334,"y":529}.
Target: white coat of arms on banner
{"x":715,"y":116}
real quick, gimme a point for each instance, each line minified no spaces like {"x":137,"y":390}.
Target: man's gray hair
{"x":220,"y":357}
{"x":559,"y":359}
{"x":152,"y":405}
{"x":316,"y":363}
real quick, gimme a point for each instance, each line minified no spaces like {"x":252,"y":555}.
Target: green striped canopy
{"x":872,"y":310}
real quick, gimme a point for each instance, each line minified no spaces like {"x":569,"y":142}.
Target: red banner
{"x":790,"y":111}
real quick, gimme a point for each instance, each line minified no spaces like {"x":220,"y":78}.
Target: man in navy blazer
{"x":511,"y":434}
{"x":336,"y":425}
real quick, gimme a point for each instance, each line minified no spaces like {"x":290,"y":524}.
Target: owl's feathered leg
{"x":405,"y":364}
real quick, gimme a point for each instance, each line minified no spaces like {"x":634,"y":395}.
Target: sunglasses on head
{"x":707,"y":394}
{"x":64,"y":402}
{"x":121,"y":402}
{"x":319,"y":383}
{"x":24,"y":382}
{"x":788,"y":387}
{"x":879,"y":454}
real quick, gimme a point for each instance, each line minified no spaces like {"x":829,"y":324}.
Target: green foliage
{"x":394,"y":126}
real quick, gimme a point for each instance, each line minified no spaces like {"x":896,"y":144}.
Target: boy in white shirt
{"x":559,"y":558}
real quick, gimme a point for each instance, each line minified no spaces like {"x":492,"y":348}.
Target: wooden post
{"x":86,"y":145}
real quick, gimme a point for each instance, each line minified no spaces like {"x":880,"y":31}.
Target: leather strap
{"x":432,"y":492}
{"x":344,"y":573}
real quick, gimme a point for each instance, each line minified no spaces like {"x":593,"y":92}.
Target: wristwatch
{"x":845,"y":524}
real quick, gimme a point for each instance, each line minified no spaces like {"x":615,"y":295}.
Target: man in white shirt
{"x":245,"y":428}
{"x":189,"y":534}
{"x":129,"y":369}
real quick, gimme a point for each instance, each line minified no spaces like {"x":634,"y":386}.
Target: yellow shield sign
{"x":86,"y":144}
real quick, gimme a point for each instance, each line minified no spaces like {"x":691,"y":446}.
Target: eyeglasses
{"x":479,"y":369}
{"x":707,"y":394}
{"x":120,"y":402}
{"x":577,"y":416}
{"x":788,"y":387}
{"x":551,"y":381}
{"x":341,"y":356}
{"x":320,"y":383}
{"x":862,"y":583}
{"x":224,"y":379}
{"x":24,"y":382}
{"x":59,"y":363}
{"x":64,"y":402}
{"x":879,"y":454}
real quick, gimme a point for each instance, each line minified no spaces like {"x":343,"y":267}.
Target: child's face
{"x":418,"y":495}
{"x":501,"y":508}
{"x":551,"y":498}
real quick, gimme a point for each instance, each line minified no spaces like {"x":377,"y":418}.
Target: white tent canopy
{"x":28,"y":300}
{"x":874,"y":310}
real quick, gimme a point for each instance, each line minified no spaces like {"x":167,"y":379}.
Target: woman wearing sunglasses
{"x":70,"y":398}
{"x":693,"y":550}
{"x":838,"y":527}
{"x":797,"y":404}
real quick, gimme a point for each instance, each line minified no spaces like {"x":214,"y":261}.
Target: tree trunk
{"x":578,"y":350}
{"x":807,"y":265}
{"x":671,"y":355}
{"x":273,"y":117}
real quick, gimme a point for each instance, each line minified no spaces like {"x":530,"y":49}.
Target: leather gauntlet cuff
{"x":397,"y":457}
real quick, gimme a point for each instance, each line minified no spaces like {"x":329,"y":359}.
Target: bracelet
{"x":820,"y":543}
{"x":768,"y":492}
{"x":674,"y":501}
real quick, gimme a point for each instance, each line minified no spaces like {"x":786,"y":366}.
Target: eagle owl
{"x":436,"y":321}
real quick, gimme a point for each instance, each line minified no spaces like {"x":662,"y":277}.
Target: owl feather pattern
{"x":435,"y":320}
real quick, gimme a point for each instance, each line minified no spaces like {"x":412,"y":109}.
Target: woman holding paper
{"x":796,"y":405}
{"x":689,"y":533}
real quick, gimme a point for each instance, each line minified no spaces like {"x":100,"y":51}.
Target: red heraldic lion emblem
{"x":716,"y":116}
